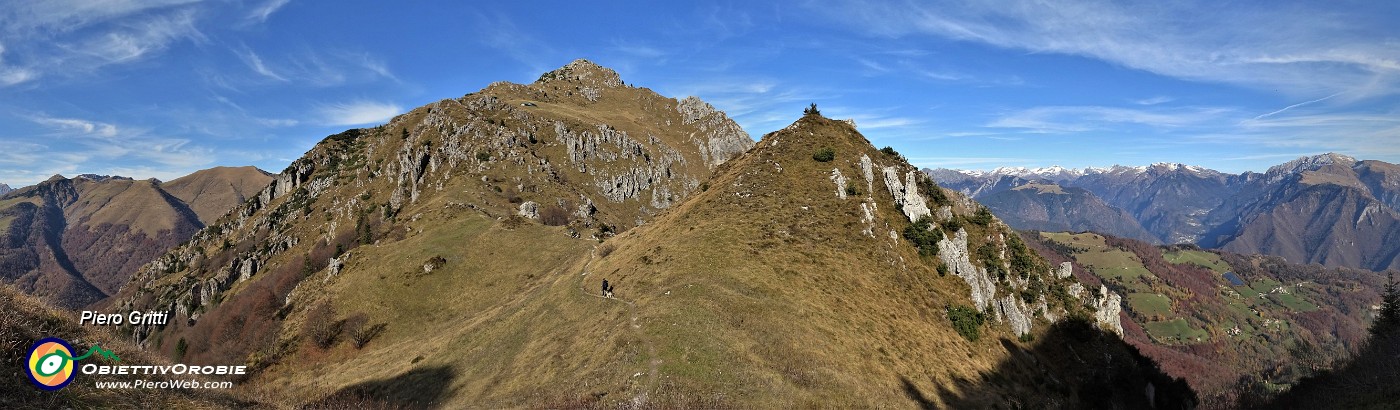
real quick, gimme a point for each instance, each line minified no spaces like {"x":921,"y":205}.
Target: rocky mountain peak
{"x":5,"y":189}
{"x":100,"y":178}
{"x":1310,"y":164}
{"x":575,"y":150}
{"x":583,"y":71}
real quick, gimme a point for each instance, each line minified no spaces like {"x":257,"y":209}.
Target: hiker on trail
{"x":607,"y":290}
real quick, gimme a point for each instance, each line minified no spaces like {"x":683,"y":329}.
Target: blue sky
{"x":160,"y":88}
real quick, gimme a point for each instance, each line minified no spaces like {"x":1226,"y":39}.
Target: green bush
{"x":953,"y":225}
{"x":991,"y":259}
{"x":928,"y":187}
{"x":1023,"y":261}
{"x":826,"y":154}
{"x":889,"y":151}
{"x":982,"y":217}
{"x":851,"y":189}
{"x":483,"y":156}
{"x":942,"y":269}
{"x":967,"y":321}
{"x":181,"y":347}
{"x":922,"y":237}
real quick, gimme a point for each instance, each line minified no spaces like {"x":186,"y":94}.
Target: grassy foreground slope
{"x":27,"y":319}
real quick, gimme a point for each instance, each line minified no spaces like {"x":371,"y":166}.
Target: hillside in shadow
{"x":1073,"y":365}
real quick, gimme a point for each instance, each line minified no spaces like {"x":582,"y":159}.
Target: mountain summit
{"x":582,"y":71}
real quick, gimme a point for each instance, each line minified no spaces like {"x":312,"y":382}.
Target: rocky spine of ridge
{"x":908,"y":191}
{"x":578,"y":147}
{"x":807,"y":236}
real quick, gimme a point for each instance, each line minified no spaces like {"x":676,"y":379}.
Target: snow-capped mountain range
{"x":1301,"y":209}
{"x":1056,"y":172}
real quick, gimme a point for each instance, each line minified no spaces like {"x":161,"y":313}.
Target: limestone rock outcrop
{"x":1108,"y":306}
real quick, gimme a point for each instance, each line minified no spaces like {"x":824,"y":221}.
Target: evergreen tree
{"x":1388,"y":320}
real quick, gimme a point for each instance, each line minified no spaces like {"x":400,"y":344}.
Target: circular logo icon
{"x":50,"y":363}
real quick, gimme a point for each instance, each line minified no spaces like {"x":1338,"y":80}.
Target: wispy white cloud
{"x":758,"y":104}
{"x":92,"y":146}
{"x":15,"y":75}
{"x":229,"y":121}
{"x":943,"y":75}
{"x":369,"y":63}
{"x":263,"y":11}
{"x":1154,"y":100}
{"x":873,"y":66}
{"x":313,"y":68}
{"x":12,"y":75}
{"x":45,"y":18}
{"x":500,"y":32}
{"x":359,"y":113}
{"x":1085,"y":118}
{"x":1280,"y":111}
{"x":68,"y":38}
{"x":967,"y":162}
{"x":878,"y":121}
{"x":255,"y":63}
{"x":76,"y":127}
{"x":1298,"y":50}
{"x":1290,"y":155}
{"x":138,"y":39}
{"x":638,"y":50}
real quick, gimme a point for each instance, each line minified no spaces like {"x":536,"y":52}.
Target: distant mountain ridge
{"x":76,"y":241}
{"x":1330,"y":209}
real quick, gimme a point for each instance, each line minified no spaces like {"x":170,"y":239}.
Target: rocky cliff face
{"x":5,"y":189}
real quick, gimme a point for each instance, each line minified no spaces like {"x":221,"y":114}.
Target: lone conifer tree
{"x":812,"y":110}
{"x":1388,"y":319}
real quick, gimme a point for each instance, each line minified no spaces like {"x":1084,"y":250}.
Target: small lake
{"x":1234,"y":279}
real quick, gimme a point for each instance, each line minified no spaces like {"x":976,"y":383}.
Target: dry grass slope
{"x":26,"y":320}
{"x":212,"y":192}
